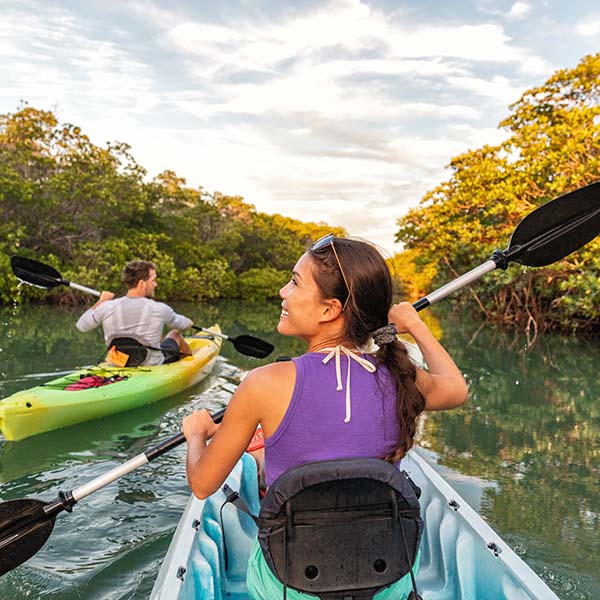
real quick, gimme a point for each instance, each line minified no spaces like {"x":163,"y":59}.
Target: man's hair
{"x":135,"y":271}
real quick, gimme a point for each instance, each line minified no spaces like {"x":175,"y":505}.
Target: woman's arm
{"x":209,"y":465}
{"x":260,"y":397}
{"x":443,"y":386}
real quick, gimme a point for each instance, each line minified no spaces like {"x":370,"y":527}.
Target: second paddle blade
{"x":24,"y":528}
{"x":251,"y":346}
{"x":34,"y":272}
{"x":557,"y":228}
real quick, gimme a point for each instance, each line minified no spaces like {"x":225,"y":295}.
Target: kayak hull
{"x":50,"y":406}
{"x":461,"y":556}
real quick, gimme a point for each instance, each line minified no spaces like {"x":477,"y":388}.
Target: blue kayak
{"x":461,"y":556}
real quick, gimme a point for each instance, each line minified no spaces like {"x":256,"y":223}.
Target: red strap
{"x":257,"y":442}
{"x":92,"y":381}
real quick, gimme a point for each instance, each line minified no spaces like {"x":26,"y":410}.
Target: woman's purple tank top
{"x":313,"y":427}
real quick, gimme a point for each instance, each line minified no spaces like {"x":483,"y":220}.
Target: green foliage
{"x":8,"y":283}
{"x":261,"y":283}
{"x":87,"y":210}
{"x":553,"y":148}
{"x":212,"y":280}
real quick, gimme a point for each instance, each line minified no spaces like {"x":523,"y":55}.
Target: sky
{"x":344,"y":111}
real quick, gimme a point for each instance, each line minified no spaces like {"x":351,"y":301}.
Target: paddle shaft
{"x":456,"y":284}
{"x":67,"y":500}
{"x":205,"y":330}
{"x":82,"y":288}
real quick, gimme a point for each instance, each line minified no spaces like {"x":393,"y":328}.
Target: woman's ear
{"x":332,"y":309}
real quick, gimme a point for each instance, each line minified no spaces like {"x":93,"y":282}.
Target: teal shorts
{"x":263,"y":585}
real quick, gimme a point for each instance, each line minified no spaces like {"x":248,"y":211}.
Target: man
{"x":137,"y":316}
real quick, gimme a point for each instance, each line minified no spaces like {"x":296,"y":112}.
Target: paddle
{"x":44,"y":276}
{"x":546,"y":235}
{"x":245,"y":344}
{"x":26,"y":524}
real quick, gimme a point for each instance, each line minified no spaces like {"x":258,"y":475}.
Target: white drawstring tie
{"x":363,"y":362}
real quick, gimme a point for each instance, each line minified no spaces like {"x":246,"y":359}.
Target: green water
{"x":525,"y":452}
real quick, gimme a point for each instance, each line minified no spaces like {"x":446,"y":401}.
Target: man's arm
{"x":176,"y":321}
{"x":88,"y":321}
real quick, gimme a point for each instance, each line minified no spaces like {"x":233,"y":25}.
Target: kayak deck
{"x":50,"y":406}
{"x":462,"y":557}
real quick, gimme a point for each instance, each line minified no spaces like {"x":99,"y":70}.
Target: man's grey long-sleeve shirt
{"x":141,"y":318}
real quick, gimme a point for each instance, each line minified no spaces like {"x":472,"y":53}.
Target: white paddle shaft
{"x":109,"y":477}
{"x":459,"y":282}
{"x":82,"y":288}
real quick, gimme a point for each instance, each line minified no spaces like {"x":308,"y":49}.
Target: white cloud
{"x":519,"y":10}
{"x":8,"y":50}
{"x":60,"y":59}
{"x":238,"y":68}
{"x":350,"y":26}
{"x":498,"y":87}
{"x":589,"y":27}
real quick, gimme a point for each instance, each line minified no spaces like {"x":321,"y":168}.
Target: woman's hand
{"x":405,"y":317}
{"x":199,"y":423}
{"x":443,"y":386}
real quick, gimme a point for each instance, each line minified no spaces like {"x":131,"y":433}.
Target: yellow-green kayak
{"x":50,"y":406}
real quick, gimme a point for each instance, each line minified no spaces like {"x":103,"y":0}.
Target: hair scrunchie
{"x":385,"y":335}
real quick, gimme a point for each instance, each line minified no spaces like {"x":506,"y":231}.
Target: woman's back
{"x":326,"y":420}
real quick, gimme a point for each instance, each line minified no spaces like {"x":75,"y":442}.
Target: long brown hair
{"x":366,"y":310}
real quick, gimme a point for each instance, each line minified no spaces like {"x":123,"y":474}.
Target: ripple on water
{"x":27,"y":582}
{"x":569,"y":585}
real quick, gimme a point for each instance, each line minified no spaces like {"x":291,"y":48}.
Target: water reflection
{"x":532,"y":429}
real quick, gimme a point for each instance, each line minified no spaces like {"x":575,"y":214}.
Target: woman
{"x":334,"y":401}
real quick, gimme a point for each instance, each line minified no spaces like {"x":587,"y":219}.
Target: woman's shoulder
{"x":270,"y":374}
{"x":267,"y":386}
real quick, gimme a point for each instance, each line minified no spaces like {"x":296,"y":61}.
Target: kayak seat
{"x":341,"y":529}
{"x":127,"y":352}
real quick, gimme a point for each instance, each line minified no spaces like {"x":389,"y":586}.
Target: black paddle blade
{"x":557,"y":228}
{"x":24,"y":528}
{"x":251,"y":346}
{"x":34,"y":272}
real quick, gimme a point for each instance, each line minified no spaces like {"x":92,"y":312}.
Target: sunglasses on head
{"x":321,"y":243}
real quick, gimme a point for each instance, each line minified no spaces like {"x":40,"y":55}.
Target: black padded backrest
{"x":335,"y":528}
{"x":136,"y":351}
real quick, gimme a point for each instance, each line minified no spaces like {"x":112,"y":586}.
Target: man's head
{"x":140,"y":274}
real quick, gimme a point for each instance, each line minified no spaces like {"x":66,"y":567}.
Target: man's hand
{"x":104,"y":296}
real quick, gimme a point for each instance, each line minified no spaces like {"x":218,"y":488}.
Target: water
{"x":524,"y":452}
